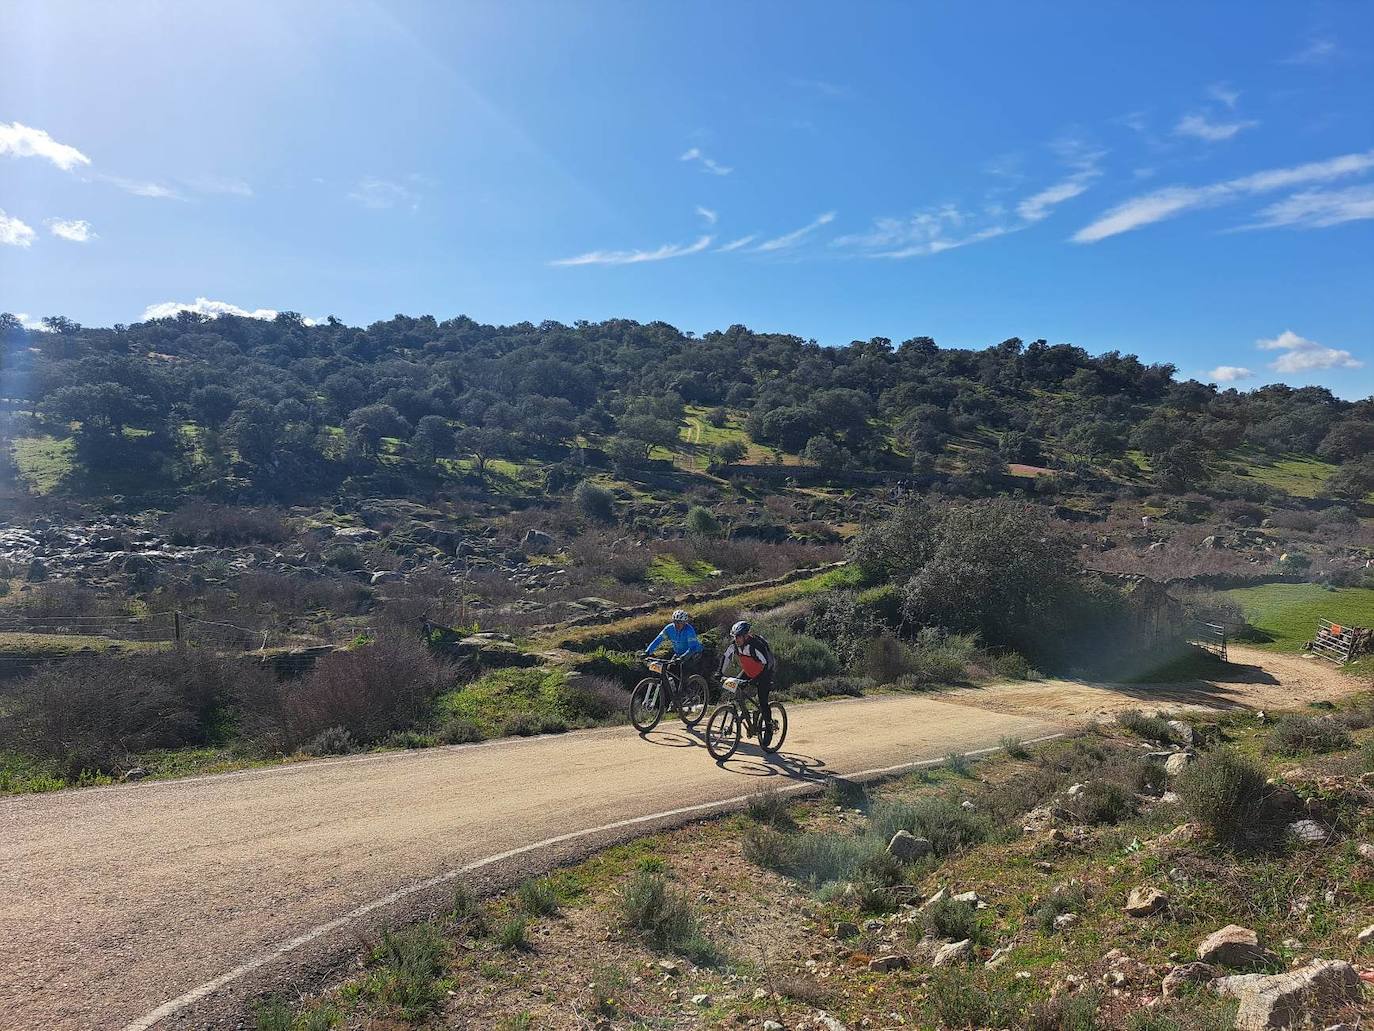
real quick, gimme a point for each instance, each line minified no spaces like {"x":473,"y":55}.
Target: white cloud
{"x":15,"y":232}
{"x":1318,"y":209}
{"x":1037,"y":207}
{"x":205,"y":306}
{"x":23,"y":141}
{"x":142,"y":188}
{"x":735,"y":245}
{"x":77,"y":230}
{"x":931,"y":231}
{"x":711,"y":217}
{"x":668,"y":250}
{"x":1303,"y":355}
{"x":379,"y":194}
{"x":787,"y":240}
{"x":1318,"y":51}
{"x":707,"y":164}
{"x":1199,"y":127}
{"x":30,"y":323}
{"x":1222,"y":92}
{"x":1228,"y":374}
{"x":1174,"y":200}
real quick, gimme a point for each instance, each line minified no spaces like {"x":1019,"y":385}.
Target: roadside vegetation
{"x":1067,"y":886}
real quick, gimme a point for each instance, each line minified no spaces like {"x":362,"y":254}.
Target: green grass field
{"x":1299,"y":475}
{"x":43,"y":462}
{"x":1287,"y":614}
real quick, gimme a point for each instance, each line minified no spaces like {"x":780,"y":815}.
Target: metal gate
{"x":1211,"y":636}
{"x":1340,"y":644}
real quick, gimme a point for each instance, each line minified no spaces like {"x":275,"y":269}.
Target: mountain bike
{"x":665,"y":689}
{"x":740,"y":716}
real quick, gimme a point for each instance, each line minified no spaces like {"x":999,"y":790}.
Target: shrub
{"x":665,"y":917}
{"x":225,"y":526}
{"x":960,"y":999}
{"x":1226,"y":793}
{"x":1367,"y":756}
{"x":596,"y":503}
{"x":512,"y":933}
{"x":92,"y":714}
{"x":766,"y":847}
{"x":829,"y":687}
{"x":800,"y":657}
{"x":947,"y":826}
{"x":701,"y":522}
{"x":369,"y":691}
{"x":409,"y":965}
{"x":1015,"y":748}
{"x":958,"y":764}
{"x":538,"y":897}
{"x":459,"y":732}
{"x":1069,"y":899}
{"x":1102,"y":802}
{"x":333,"y":741}
{"x":1151,"y":728}
{"x":953,"y":921}
{"x":1300,"y":735}
{"x":1065,"y":1013}
{"x":768,"y":807}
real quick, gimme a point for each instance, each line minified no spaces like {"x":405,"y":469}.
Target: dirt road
{"x":166,"y":904}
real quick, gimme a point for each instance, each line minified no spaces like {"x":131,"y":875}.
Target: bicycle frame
{"x":668,"y":676}
{"x":741,"y":696}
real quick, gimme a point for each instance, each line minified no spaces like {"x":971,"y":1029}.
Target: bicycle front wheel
{"x":647,"y":703}
{"x":692,"y":702}
{"x":722,"y":733}
{"x":771,"y":739}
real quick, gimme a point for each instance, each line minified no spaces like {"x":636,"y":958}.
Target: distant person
{"x":756,"y":663}
{"x":681,"y":635}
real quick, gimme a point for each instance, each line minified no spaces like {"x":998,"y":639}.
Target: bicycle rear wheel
{"x":691,"y":704}
{"x":771,"y":741}
{"x":722,"y":733}
{"x":647,"y":704}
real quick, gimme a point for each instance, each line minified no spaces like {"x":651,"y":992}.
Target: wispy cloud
{"x":1303,"y":355}
{"x":381,"y":194}
{"x":1319,"y":209}
{"x":1202,"y":128}
{"x":1171,"y":201}
{"x":930,"y":231}
{"x":15,"y":232}
{"x":1227,"y":374}
{"x":142,"y":187}
{"x":1223,"y":93}
{"x":205,"y":306}
{"x":825,"y":87}
{"x":1317,"y":51}
{"x":707,"y":164}
{"x":711,"y":217}
{"x":668,"y":250}
{"x":220,"y":184}
{"x":23,"y":141}
{"x":734,"y":245}
{"x":77,"y":230}
{"x":789,"y":240}
{"x":1084,"y":161}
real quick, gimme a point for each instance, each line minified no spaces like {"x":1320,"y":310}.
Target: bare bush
{"x":369,"y":691}
{"x":225,"y":526}
{"x":92,"y":714}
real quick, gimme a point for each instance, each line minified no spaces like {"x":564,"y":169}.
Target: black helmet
{"x":740,"y":628}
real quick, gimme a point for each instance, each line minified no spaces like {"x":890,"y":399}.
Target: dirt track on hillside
{"x":116,"y":902}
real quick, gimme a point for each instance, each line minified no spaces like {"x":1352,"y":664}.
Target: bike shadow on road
{"x":750,"y":760}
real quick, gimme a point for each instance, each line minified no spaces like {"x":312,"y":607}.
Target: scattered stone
{"x":1022,"y":975}
{"x":907,"y":848}
{"x":1145,"y":901}
{"x":967,"y":805}
{"x":1309,"y":831}
{"x":137,"y":773}
{"x":955,"y":952}
{"x":536,"y":541}
{"x":1232,"y":946}
{"x":1182,"y":731}
{"x":887,"y":964}
{"x":1075,"y":790}
{"x":1178,"y":762}
{"x":1366,"y":852}
{"x":701,"y":1000}
{"x":1366,"y":935}
{"x":1283,"y":1000}
{"x":1187,"y":973}
{"x":771,"y":1025}
{"x":873,"y":925}
{"x":1115,"y":979}
{"x":667,"y":966}
{"x":939,"y":896}
{"x":386,"y":577}
{"x":846,"y":929}
{"x":1064,"y":921}
{"x":970,"y":898}
{"x":999,"y":958}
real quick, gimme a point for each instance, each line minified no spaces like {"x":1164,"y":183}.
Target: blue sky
{"x":1190,"y":182}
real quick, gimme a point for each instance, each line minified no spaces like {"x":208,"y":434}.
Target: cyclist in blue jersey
{"x":686,"y":644}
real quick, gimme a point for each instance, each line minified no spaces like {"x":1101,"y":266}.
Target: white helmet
{"x":680,"y":616}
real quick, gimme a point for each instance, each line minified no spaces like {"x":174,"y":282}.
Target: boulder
{"x":1310,"y":832}
{"x":1291,"y":998}
{"x":1178,"y":762}
{"x":1183,"y":732}
{"x":905,"y":847}
{"x":386,"y":577}
{"x":1187,"y":973}
{"x":356,"y":534}
{"x":1366,"y":852}
{"x":1232,"y":946}
{"x":536,"y":541}
{"x":969,"y":898}
{"x":1065,"y":921}
{"x":846,"y":929}
{"x":1145,"y":901}
{"x":887,"y":964}
{"x":953,"y":953}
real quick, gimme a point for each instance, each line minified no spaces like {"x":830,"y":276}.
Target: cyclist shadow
{"x":796,"y":766}
{"x":675,"y":737}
